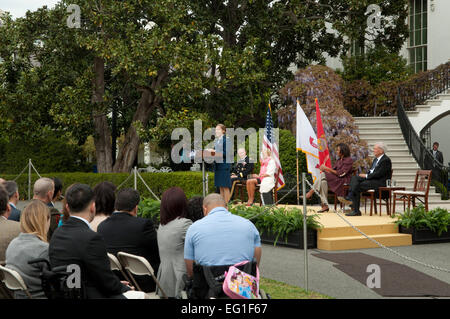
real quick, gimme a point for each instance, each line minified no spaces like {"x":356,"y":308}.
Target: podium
{"x":202,"y":154}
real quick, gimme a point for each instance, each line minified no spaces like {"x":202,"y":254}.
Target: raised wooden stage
{"x":338,"y":235}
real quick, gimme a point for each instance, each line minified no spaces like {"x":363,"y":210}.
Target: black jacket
{"x":75,"y":243}
{"x":133,"y":235}
{"x":241,"y":170}
{"x":381,"y":173}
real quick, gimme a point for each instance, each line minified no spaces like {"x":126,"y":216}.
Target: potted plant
{"x":425,"y":227}
{"x":279,"y":225}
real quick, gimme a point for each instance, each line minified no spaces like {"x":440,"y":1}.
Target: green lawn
{"x":280,"y":290}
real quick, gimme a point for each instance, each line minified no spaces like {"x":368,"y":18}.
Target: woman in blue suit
{"x":222,"y":169}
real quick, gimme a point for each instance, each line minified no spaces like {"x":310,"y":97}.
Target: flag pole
{"x":296,"y":151}
{"x":298,"y":186}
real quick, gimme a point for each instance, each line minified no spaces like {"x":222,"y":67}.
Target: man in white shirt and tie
{"x":379,"y":172}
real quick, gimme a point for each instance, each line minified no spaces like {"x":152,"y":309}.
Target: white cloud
{"x":18,"y":8}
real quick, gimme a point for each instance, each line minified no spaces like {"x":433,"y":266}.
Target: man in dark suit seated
{"x":241,"y":170}
{"x":76,"y":243}
{"x":124,"y":231}
{"x":13,"y":193}
{"x":376,"y":177}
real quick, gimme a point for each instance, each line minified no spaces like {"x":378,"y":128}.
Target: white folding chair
{"x":13,"y":280}
{"x":136,"y":265}
{"x":115,"y":265}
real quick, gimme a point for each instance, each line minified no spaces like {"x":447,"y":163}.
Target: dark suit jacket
{"x":439,"y":156}
{"x":133,"y":235}
{"x":15,"y":214}
{"x":75,"y":243}
{"x":241,"y":170}
{"x":381,"y":173}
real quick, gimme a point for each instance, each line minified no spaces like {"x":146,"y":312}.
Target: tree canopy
{"x":133,"y":61}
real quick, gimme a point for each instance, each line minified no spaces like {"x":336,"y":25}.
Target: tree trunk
{"x":102,"y":132}
{"x":130,"y":147}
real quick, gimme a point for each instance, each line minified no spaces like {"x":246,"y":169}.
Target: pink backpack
{"x":239,"y":284}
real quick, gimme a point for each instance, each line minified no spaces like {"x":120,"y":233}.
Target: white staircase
{"x":388,"y":131}
{"x":430,"y":110}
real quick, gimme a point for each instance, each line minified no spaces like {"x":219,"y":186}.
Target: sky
{"x":18,"y":8}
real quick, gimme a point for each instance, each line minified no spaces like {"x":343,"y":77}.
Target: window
{"x":418,"y":21}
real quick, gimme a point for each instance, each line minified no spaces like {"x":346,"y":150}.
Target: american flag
{"x":267,"y":143}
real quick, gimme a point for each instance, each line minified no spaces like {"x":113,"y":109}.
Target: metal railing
{"x":417,"y":148}
{"x":425,"y":86}
{"x":382,"y":100}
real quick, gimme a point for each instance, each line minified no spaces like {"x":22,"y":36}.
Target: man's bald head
{"x":212,"y":201}
{"x":43,"y":189}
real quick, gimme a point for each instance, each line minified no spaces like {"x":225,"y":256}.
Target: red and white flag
{"x":324,"y":153}
{"x":307,"y":142}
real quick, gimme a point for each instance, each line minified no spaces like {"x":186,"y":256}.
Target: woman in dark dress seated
{"x":333,"y":178}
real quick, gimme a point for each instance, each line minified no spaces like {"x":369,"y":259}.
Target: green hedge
{"x":190,"y":182}
{"x":49,"y":154}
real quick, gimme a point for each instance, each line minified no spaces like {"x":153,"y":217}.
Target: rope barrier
{"x":139,"y":175}
{"x":383,"y":246}
{"x":17,"y":177}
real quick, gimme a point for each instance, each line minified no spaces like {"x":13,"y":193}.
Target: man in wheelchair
{"x":207,"y":281}
{"x":213,"y":244}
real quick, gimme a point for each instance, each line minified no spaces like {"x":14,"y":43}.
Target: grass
{"x":280,"y":290}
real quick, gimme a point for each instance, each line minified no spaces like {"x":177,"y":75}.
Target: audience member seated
{"x":13,"y":193}
{"x":104,"y":202}
{"x":171,"y":235}
{"x":333,"y":178}
{"x":266,"y":179}
{"x":43,"y":190}
{"x":380,"y":171}
{"x":220,"y":238}
{"x":57,"y":192}
{"x":30,"y":244}
{"x":124,"y":231}
{"x":195,"y":208}
{"x":242,"y":169}
{"x":76,"y":243}
{"x":9,"y":229}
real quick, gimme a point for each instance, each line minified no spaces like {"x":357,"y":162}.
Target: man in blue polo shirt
{"x":220,"y":238}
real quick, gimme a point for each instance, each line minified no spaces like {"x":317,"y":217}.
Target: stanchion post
{"x":135,"y":178}
{"x":29,"y":179}
{"x":305,"y":241}
{"x":203,"y":178}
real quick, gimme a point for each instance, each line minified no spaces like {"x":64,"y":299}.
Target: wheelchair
{"x":54,"y":282}
{"x":207,"y":281}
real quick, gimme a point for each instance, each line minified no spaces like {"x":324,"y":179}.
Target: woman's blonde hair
{"x":34,"y":219}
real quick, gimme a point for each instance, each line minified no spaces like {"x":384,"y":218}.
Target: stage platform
{"x":338,"y":235}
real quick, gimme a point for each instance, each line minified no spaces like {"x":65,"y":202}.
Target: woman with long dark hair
{"x":171,"y":234}
{"x":333,"y":178}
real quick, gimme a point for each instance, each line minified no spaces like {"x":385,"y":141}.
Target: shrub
{"x":278,"y":220}
{"x":48,"y":154}
{"x":150,"y":208}
{"x":190,"y":182}
{"x":436,"y":220}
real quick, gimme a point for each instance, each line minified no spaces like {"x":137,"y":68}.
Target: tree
{"x":132,"y":61}
{"x":114,"y":49}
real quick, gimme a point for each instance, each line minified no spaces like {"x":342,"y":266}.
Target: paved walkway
{"x":287,"y":265}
